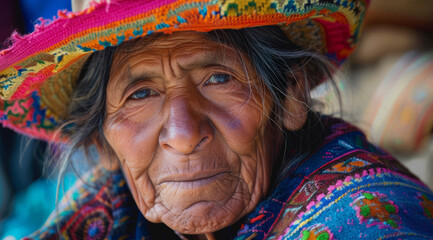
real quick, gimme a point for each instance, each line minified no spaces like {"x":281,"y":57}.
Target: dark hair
{"x":279,"y":63}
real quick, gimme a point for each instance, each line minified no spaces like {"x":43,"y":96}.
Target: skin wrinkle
{"x":190,"y":128}
{"x":148,"y":201}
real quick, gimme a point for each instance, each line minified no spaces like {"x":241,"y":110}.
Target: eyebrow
{"x":203,"y":59}
{"x":132,"y":80}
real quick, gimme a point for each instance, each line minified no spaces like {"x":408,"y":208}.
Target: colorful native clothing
{"x":347,"y":189}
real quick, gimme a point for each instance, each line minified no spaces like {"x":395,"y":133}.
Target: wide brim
{"x":38,"y":71}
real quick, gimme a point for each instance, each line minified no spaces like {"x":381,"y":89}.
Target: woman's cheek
{"x":141,"y":187}
{"x":133,"y":127}
{"x":141,"y":111}
{"x":240,"y":128}
{"x":134,"y":144}
{"x":233,"y":109}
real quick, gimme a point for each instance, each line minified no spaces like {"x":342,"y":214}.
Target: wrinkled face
{"x":190,"y":132}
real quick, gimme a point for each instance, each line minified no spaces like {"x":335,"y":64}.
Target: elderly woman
{"x":196,"y":122}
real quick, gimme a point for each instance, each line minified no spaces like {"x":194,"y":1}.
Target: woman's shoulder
{"x":357,"y":191}
{"x":97,"y":205}
{"x":347,"y":188}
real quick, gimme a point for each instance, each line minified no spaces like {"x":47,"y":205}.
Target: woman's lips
{"x":193,"y":180}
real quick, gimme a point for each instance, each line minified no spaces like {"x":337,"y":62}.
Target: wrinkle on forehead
{"x":183,"y":53}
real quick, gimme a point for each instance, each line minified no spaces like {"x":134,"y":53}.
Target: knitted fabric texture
{"x":39,"y":71}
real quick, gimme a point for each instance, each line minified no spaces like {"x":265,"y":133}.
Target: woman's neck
{"x":207,"y":236}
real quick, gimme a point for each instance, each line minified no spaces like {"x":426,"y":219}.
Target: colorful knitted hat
{"x":38,"y":71}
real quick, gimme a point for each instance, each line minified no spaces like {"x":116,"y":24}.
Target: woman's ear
{"x":295,"y":106}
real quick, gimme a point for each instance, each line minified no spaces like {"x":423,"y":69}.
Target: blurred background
{"x":386,"y":86}
{"x":386,"y":89}
{"x":26,"y":197}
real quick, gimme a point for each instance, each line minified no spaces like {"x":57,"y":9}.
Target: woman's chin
{"x":204,"y":217}
{"x":210,"y":211}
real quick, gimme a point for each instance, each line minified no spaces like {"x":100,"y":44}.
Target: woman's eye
{"x":143,"y":93}
{"x":218,"y":78}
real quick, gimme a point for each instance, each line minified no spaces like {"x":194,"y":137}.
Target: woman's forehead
{"x":186,"y":50}
{"x":177,"y":44}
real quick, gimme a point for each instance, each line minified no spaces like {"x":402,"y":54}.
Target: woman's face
{"x":190,"y":131}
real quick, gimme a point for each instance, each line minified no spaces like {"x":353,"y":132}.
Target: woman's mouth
{"x":194,"y":180}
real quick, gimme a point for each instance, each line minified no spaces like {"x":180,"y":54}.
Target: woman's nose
{"x":186,"y":130}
